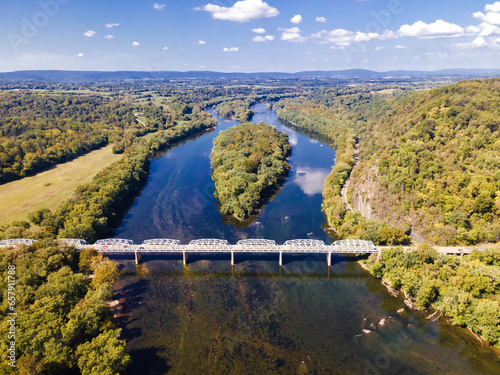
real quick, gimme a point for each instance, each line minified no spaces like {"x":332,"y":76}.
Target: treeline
{"x":38,"y":131}
{"x":341,"y":127}
{"x":465,"y":289}
{"x":62,"y":323}
{"x":97,"y":206}
{"x":248,"y":162}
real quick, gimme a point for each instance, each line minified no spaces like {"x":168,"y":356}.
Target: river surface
{"x":255,"y":317}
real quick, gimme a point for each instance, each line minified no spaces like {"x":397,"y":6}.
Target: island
{"x":249,"y":162}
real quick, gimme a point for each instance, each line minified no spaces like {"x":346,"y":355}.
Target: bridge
{"x":212,"y":245}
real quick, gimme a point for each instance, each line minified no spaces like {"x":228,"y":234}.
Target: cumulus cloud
{"x":241,"y":11}
{"x":438,"y":29}
{"x":296,"y":19}
{"x":136,"y":44}
{"x":344,"y":38}
{"x":263,"y":38}
{"x":79,"y":54}
{"x":89,"y":33}
{"x":495,"y":7}
{"x":109,"y":36}
{"x":490,"y":21}
{"x":293,"y":34}
{"x":200,"y":42}
{"x":230,"y":49}
{"x":259,"y":30}
{"x":157,"y":6}
{"x":165,"y":48}
{"x":321,"y":19}
{"x":479,"y":42}
{"x":399,"y":46}
{"x":111,"y":25}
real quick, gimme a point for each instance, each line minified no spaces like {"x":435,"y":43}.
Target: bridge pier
{"x":329,"y":259}
{"x":232,"y":258}
{"x":184,"y":258}
{"x":281,"y":258}
{"x":138,"y":257}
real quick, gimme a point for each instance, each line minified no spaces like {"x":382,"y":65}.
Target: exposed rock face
{"x":364,"y":193}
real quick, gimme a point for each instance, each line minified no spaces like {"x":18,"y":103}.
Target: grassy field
{"x":52,"y":187}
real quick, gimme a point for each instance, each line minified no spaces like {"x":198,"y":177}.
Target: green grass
{"x":51,"y":188}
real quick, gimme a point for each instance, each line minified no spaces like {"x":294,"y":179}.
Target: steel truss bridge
{"x":212,"y":245}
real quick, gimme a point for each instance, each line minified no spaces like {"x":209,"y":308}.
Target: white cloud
{"x":230,"y":49}
{"x":89,"y":33}
{"x":438,"y":29}
{"x":266,"y":38}
{"x":165,"y":48}
{"x":200,"y":42}
{"x":111,"y":25}
{"x":296,"y":19}
{"x":157,"y":6}
{"x":479,"y":42}
{"x":79,"y":54}
{"x":495,"y":7}
{"x":399,"y":46}
{"x":241,"y":11}
{"x":259,"y":30}
{"x":490,"y":22}
{"x":344,"y":38}
{"x":136,"y":44}
{"x":109,"y":36}
{"x":379,"y":48}
{"x":292,"y":34}
{"x":321,"y":19}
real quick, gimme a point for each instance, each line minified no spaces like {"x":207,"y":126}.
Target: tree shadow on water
{"x":148,"y":361}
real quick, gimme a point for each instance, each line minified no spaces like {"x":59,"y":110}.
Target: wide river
{"x":255,"y":317}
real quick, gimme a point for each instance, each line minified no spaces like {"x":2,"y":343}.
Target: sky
{"x":248,"y":35}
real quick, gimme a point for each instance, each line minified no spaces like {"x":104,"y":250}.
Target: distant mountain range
{"x":100,"y":76}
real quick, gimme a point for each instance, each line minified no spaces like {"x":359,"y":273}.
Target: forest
{"x":38,"y":131}
{"x":431,"y":157}
{"x":464,"y":288}
{"x":63,"y":324}
{"x":248,"y":162}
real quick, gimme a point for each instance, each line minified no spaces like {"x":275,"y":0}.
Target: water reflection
{"x":310,"y":180}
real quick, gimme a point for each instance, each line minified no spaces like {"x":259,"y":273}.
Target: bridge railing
{"x":17,"y":241}
{"x":304,"y":245}
{"x":254,"y":245}
{"x":208,"y":245}
{"x":354,"y":246}
{"x":160,"y":244}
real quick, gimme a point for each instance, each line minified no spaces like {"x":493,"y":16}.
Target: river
{"x":258,"y":318}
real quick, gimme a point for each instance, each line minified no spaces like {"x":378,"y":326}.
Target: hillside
{"x":429,"y":161}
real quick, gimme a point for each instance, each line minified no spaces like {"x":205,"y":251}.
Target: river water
{"x":258,"y":318}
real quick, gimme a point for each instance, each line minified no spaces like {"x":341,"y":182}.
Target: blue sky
{"x":249,"y":35}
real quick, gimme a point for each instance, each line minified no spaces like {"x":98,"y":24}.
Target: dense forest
{"x":237,"y":109}
{"x":38,"y":131}
{"x":248,"y":161}
{"x":465,"y":289}
{"x":429,"y":158}
{"x":63,"y":324}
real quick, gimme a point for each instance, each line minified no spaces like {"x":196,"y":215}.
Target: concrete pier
{"x":281,"y":258}
{"x":329,"y":259}
{"x":138,"y":257}
{"x":184,"y":258}
{"x":232,"y":258}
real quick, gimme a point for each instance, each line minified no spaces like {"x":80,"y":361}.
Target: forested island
{"x":248,"y":162}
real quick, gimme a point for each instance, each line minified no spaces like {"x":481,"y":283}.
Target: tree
{"x":104,"y":355}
